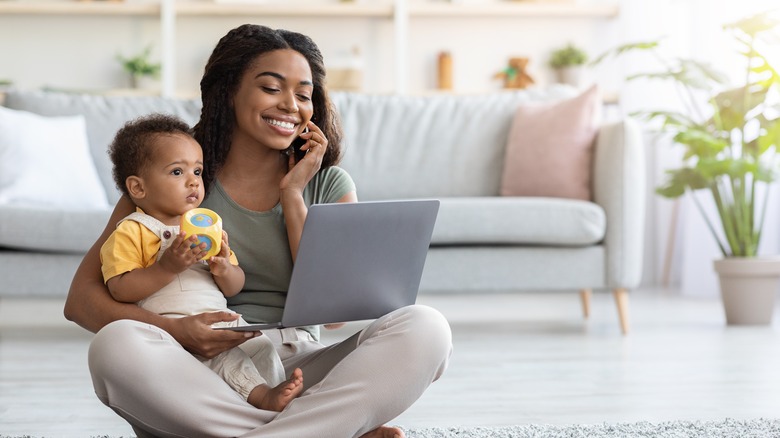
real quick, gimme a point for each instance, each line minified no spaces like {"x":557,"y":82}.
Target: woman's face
{"x":273,"y":102}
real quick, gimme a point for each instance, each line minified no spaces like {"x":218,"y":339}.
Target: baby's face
{"x":173,"y":182}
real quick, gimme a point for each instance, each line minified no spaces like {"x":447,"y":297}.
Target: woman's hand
{"x":299,"y":174}
{"x":195,"y":334}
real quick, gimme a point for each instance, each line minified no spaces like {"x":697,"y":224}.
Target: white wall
{"x":70,"y":52}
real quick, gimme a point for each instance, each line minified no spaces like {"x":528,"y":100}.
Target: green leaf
{"x":681,"y":179}
{"x":140,"y":65}
{"x":687,"y":72}
{"x":735,"y":104}
{"x":704,"y":70}
{"x":669,"y":119}
{"x":733,"y":168}
{"x":770,"y":136}
{"x":568,"y":56}
{"x":754,"y":25}
{"x":700,"y":143}
{"x":625,"y":48}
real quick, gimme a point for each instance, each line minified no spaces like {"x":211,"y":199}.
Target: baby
{"x":148,"y":261}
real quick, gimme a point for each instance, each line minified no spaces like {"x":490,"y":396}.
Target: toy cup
{"x":207,"y":226}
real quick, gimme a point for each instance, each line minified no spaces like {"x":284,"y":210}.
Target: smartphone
{"x":296,"y":146}
{"x":296,"y":149}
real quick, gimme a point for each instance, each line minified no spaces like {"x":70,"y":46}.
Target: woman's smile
{"x":284,"y":127}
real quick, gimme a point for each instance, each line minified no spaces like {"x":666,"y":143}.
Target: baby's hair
{"x":131,"y":149}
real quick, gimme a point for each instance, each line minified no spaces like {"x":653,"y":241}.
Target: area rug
{"x":758,"y":428}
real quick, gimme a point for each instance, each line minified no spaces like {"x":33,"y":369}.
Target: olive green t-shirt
{"x":259,"y":240}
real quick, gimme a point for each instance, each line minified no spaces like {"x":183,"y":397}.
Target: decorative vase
{"x":748,"y":287}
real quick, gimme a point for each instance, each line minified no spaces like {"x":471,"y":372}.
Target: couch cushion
{"x":49,"y":229}
{"x":437,"y":146}
{"x":519,"y":220}
{"x":550,"y":148}
{"x":46,"y":161}
{"x":104,"y":115}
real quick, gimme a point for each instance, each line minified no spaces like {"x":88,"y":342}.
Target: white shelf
{"x":191,"y":8}
{"x":78,"y":8}
{"x":560,"y":9}
{"x":238,"y":7}
{"x":376,"y":9}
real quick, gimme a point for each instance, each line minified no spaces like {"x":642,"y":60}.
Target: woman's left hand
{"x":300,"y":173}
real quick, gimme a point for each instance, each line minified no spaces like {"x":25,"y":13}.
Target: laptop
{"x":357,"y":261}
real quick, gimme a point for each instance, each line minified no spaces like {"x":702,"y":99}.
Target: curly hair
{"x":231,"y":58}
{"x":131,"y":149}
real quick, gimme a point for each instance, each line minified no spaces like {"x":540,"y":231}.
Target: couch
{"x":448,"y":147}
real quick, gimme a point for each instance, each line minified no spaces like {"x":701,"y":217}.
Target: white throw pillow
{"x":45,"y":161}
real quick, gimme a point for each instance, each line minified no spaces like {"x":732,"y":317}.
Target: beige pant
{"x":352,"y":387}
{"x":242,"y":374}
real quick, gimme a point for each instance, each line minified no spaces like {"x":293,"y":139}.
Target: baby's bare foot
{"x":279,"y":397}
{"x":384,"y":432}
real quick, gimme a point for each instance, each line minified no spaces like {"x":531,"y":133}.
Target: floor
{"x":518,"y":359}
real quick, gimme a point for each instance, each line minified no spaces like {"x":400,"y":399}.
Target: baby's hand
{"x":182,"y":254}
{"x":220,"y":263}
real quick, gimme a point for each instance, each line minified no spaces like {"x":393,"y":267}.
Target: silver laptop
{"x":357,"y":261}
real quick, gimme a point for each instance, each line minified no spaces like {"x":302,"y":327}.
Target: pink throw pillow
{"x":550,"y":148}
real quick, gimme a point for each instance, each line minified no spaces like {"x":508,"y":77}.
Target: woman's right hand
{"x":195,"y":334}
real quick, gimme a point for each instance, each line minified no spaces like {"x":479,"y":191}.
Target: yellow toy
{"x":207,"y":226}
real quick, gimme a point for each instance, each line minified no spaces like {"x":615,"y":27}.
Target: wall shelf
{"x":514,"y":10}
{"x":78,"y":8}
{"x":367,"y":10}
{"x":401,"y":14}
{"x":227,"y":8}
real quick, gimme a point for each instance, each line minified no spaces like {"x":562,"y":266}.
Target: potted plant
{"x":568,"y":64}
{"x":730,"y":153}
{"x":140,"y":67}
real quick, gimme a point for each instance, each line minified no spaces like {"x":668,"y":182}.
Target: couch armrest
{"x":619,"y":187}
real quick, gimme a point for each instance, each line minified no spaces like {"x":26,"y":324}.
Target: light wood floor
{"x":518,"y":359}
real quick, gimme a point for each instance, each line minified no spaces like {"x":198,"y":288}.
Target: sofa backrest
{"x":394,"y":146}
{"x":429,"y":146}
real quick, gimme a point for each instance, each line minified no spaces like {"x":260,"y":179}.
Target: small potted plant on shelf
{"x":730,"y":146}
{"x":140,"y":67}
{"x":568,"y":63}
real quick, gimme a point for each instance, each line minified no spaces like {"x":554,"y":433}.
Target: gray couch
{"x":445,"y":147}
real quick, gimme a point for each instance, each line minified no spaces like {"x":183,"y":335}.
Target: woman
{"x":262,"y":89}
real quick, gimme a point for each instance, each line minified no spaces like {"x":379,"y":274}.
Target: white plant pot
{"x":146,"y":83}
{"x":748,"y":286}
{"x":569,"y":75}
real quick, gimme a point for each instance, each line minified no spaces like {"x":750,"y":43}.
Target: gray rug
{"x":759,"y":428}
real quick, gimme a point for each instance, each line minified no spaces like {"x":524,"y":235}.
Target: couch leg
{"x":621,"y":299}
{"x":585,"y":295}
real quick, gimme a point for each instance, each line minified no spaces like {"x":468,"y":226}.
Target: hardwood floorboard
{"x":518,"y":359}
